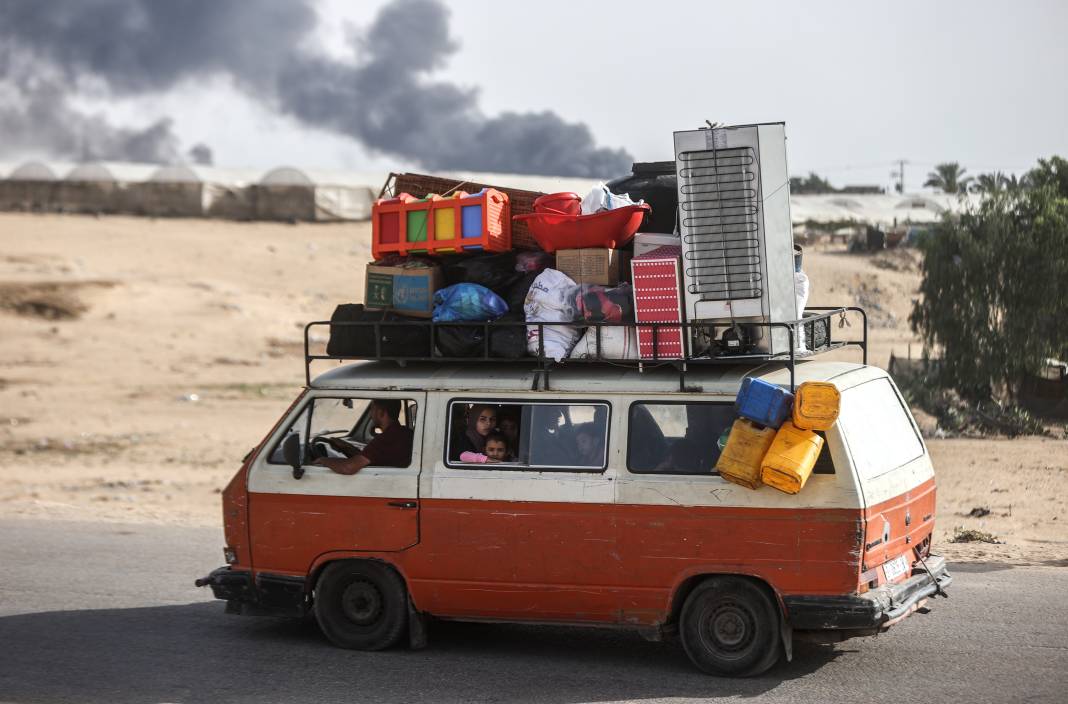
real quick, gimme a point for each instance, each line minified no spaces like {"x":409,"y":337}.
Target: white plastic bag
{"x":600,"y":198}
{"x":616,"y":343}
{"x":801,"y":286}
{"x":551,"y":300}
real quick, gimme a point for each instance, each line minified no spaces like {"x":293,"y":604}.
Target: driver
{"x":390,"y":448}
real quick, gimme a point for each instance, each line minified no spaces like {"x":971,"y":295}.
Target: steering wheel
{"x":317,"y":448}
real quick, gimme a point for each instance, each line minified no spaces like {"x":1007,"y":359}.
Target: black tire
{"x":730,"y":627}
{"x":361,"y":605}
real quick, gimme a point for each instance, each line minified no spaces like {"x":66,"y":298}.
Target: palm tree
{"x":948,"y":177}
{"x":995,"y":182}
{"x":1011,"y":183}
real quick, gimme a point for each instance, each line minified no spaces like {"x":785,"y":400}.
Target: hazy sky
{"x":859,"y":85}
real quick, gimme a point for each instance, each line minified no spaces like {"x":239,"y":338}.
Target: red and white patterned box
{"x":656,"y":278}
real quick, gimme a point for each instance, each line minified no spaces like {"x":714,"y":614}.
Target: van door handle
{"x":403,"y":504}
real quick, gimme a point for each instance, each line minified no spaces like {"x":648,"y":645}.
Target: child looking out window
{"x":497,"y":450}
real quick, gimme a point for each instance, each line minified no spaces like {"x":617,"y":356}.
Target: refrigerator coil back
{"x":718,"y":201}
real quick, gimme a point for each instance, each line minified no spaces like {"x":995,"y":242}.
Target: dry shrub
{"x":47,"y":300}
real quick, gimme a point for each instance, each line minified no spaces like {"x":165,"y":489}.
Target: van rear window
{"x":877,"y":428}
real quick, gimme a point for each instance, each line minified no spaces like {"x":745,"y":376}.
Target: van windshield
{"x":877,"y":428}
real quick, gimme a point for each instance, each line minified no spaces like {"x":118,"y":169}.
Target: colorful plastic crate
{"x":519,"y":201}
{"x":441,"y":224}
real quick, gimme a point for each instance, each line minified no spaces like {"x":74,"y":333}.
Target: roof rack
{"x":543,"y":364}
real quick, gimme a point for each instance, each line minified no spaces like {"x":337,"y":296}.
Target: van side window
{"x":535,"y":435}
{"x":328,"y":425}
{"x":676,"y":438}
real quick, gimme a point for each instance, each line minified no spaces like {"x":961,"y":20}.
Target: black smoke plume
{"x":35,"y":116}
{"x":385,"y":96}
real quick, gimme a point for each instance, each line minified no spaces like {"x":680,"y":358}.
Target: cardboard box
{"x":606,"y":267}
{"x":645,"y":242}
{"x":408,"y":291}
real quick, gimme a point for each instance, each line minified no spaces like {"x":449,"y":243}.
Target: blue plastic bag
{"x":467,"y":302}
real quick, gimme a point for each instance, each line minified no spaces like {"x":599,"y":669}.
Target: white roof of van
{"x":587,"y":379}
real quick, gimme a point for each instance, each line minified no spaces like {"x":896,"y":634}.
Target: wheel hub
{"x":730,"y":627}
{"x":361,"y":603}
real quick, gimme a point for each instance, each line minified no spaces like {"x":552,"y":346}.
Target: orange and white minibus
{"x":603,"y":508}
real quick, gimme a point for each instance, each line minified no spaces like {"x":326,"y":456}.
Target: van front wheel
{"x":729,"y":626}
{"x":361,"y":605}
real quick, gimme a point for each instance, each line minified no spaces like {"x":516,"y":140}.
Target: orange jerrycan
{"x":816,"y":405}
{"x":746,"y":446}
{"x":790,"y":459}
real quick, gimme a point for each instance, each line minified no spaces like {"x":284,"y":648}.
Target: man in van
{"x":390,"y":448}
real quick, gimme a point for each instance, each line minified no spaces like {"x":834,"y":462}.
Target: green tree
{"x":810,"y":184}
{"x":948,"y":177}
{"x":1050,"y":173}
{"x":995,"y":288}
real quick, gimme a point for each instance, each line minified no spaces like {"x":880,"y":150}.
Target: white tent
{"x":32,"y":171}
{"x":287,"y":193}
{"x":284,"y":194}
{"x":30,"y":186}
{"x":171,"y":191}
{"x":90,"y":188}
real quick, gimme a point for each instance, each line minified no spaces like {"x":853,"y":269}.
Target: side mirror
{"x":291,"y":452}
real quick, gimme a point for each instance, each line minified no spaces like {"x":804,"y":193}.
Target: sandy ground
{"x":140,"y":359}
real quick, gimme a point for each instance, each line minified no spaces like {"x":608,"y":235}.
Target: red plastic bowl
{"x":608,"y":228}
{"x":563,"y":203}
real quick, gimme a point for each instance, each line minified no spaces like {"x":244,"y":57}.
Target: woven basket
{"x":422,"y":185}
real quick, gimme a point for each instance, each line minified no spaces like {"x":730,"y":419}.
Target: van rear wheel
{"x":730,"y":626}
{"x":361,"y":605}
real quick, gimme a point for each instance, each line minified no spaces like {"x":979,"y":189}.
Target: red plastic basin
{"x":563,"y":203}
{"x":608,"y":228}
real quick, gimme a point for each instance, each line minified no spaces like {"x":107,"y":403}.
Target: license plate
{"x":893,"y":569}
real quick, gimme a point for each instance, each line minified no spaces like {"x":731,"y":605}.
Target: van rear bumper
{"x":879,"y":608}
{"x":267,"y":595}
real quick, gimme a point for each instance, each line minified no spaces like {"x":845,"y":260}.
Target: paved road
{"x":107,"y":613}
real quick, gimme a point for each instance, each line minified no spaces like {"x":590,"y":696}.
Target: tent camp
{"x":876,"y":209}
{"x":289,"y":194}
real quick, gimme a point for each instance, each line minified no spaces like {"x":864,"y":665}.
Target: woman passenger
{"x":481,"y":421}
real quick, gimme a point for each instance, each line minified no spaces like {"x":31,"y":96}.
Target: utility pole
{"x":899,"y":174}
